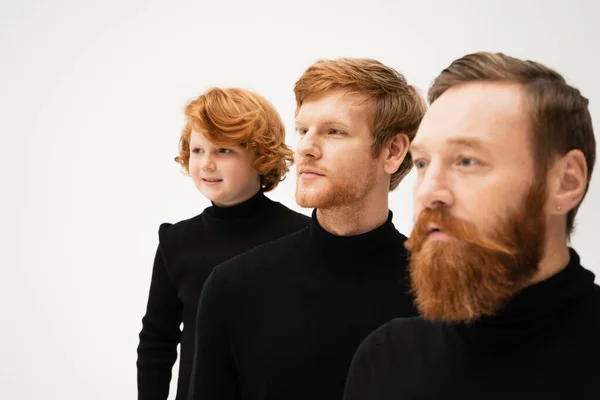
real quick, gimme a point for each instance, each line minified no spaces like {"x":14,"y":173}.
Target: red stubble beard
{"x":472,"y":275}
{"x":336,"y":190}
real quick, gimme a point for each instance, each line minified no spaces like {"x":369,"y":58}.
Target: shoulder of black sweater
{"x":293,"y":217}
{"x":240,"y":270}
{"x":590,"y":306}
{"x":171,"y":233}
{"x":277,"y":217}
{"x":263,"y":213}
{"x":398,"y":334}
{"x":596,"y":296}
{"x":386,"y":350}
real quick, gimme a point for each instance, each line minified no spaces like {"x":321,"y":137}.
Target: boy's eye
{"x":223,"y":150}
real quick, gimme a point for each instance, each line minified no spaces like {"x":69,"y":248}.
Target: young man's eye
{"x":335,"y":132}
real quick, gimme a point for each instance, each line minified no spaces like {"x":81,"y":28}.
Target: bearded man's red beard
{"x":472,"y":275}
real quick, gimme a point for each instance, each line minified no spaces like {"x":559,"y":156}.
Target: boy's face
{"x":224,"y":175}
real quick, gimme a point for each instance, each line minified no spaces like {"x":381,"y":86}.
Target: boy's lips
{"x":211,"y":181}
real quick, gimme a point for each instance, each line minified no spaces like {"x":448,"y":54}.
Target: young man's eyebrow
{"x":326,"y":123}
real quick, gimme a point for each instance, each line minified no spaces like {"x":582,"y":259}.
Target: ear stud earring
{"x":557,"y":208}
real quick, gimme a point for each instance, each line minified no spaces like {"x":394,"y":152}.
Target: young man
{"x":504,"y":159}
{"x":283,"y":321}
{"x":233,"y":148}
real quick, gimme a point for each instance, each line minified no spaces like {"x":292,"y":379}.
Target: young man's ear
{"x":395,"y":152}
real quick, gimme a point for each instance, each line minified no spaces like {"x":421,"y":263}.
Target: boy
{"x":233,"y":149}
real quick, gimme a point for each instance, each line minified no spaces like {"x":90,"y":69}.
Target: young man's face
{"x":224,"y":175}
{"x":480,"y":208}
{"x":334,"y":156}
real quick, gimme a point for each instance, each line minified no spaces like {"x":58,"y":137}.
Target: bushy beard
{"x":473,"y":275}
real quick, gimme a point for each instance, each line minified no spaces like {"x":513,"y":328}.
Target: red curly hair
{"x":233,"y":116}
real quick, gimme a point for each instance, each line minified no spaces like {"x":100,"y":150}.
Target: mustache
{"x":460,"y":229}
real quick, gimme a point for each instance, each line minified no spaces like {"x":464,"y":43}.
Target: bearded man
{"x":504,"y":158}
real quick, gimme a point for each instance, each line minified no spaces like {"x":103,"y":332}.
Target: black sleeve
{"x":160,"y":334}
{"x":213,"y":372}
{"x":359,"y":375}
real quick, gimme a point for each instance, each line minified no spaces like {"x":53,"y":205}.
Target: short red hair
{"x":397,"y":106}
{"x":233,"y":116}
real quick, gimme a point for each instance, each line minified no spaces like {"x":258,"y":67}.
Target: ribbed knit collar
{"x":249,"y":207}
{"x":372,"y":246}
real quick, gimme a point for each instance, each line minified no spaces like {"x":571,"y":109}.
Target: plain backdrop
{"x":91,"y":101}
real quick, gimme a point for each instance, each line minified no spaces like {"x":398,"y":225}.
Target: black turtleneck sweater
{"x":283,"y":320}
{"x":187,"y":253}
{"x":545,"y":344}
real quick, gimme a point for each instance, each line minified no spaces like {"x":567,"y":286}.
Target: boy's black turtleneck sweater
{"x":283,"y":321}
{"x":545,"y":344}
{"x":187,"y":253}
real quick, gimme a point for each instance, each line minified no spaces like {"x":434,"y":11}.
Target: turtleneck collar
{"x":249,"y":207}
{"x":535,"y":307}
{"x":368,"y":246}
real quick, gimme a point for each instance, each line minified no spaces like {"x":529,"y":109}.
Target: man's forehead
{"x":481,"y":114}
{"x":332,"y":102}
